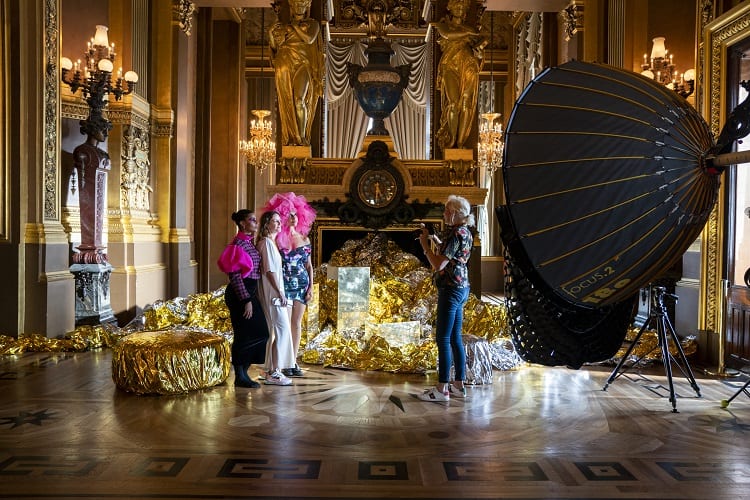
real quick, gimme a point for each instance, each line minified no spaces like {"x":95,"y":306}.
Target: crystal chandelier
{"x":661,"y":68}
{"x":260,"y":150}
{"x":490,"y":145}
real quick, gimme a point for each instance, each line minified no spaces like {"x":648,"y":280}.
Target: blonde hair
{"x":461,"y":207}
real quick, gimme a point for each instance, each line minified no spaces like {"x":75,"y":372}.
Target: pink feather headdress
{"x":284,"y":204}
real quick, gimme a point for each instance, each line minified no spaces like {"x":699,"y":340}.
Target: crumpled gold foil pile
{"x":81,"y":339}
{"x":401,"y":289}
{"x":205,"y":311}
{"x":333,"y":349}
{"x":647,"y":349}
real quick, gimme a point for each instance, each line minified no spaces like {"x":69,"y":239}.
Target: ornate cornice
{"x":128,"y":117}
{"x":162,"y":122}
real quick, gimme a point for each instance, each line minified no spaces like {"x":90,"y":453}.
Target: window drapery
{"x":346,"y":122}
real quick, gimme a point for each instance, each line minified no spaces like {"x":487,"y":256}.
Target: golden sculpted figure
{"x":297,"y":56}
{"x":458,"y":74}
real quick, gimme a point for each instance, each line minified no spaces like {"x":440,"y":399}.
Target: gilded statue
{"x":458,"y":74}
{"x":297,"y":57}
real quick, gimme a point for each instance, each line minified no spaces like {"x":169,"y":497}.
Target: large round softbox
{"x":604,"y":181}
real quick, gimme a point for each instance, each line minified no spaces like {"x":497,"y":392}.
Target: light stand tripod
{"x":664,"y":330}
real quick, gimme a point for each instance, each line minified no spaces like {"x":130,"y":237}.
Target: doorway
{"x":737,"y":223}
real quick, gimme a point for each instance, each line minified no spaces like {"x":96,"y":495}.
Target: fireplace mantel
{"x":425,"y":181}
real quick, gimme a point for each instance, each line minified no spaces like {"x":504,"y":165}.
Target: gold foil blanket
{"x":170,"y":361}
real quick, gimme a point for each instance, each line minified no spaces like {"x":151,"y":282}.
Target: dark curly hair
{"x":240,"y":215}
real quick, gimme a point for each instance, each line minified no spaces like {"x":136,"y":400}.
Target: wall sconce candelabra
{"x":260,"y":150}
{"x":490,"y":145}
{"x":661,"y":68}
{"x":94,"y":77}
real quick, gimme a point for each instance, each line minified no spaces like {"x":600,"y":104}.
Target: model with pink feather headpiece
{"x":297,"y":217}
{"x":286,"y":203}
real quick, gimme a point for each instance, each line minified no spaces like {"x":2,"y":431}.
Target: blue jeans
{"x":450,"y":320}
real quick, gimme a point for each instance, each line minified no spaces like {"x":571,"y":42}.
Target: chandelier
{"x":661,"y":68}
{"x":260,"y":149}
{"x":490,"y":145}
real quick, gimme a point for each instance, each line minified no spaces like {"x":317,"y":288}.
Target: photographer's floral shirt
{"x":457,"y":248}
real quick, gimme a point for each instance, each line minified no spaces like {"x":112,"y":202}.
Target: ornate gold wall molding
{"x":51,"y":145}
{"x":74,"y":108}
{"x":704,"y":15}
{"x":720,"y":34}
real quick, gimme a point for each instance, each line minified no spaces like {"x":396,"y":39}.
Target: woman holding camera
{"x":449,"y":264}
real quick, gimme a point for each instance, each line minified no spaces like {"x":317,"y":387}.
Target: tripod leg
{"x":666,"y":358}
{"x":619,"y":368}
{"x":725,"y":402}
{"x":683,"y":363}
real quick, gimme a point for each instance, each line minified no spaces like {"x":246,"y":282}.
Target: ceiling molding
{"x":497,"y":5}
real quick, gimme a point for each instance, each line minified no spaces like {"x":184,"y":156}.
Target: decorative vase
{"x":378,"y":86}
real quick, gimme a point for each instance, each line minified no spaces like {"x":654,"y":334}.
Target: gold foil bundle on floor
{"x":648,"y":348}
{"x":164,"y":313}
{"x":201,"y":310}
{"x":381,"y":355}
{"x":81,"y":339}
{"x":209,"y":311}
{"x":170,"y":361}
{"x":485,"y":320}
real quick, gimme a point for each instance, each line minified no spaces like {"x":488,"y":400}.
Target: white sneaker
{"x":432,"y":394}
{"x":277,"y":378}
{"x":456,"y":392}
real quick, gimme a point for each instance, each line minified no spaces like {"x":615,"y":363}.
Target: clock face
{"x":377,"y":188}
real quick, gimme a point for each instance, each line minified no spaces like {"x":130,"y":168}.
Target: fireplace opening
{"x":330,"y":238}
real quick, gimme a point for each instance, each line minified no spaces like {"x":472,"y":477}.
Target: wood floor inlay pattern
{"x":67,"y":432}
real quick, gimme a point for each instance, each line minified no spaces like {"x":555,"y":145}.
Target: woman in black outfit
{"x":241,"y":261}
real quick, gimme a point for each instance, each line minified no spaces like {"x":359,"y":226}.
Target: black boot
{"x":241,"y":378}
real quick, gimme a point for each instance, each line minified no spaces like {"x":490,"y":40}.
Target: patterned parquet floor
{"x":536,"y":432}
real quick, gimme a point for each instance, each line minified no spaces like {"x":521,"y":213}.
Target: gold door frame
{"x":718,"y":37}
